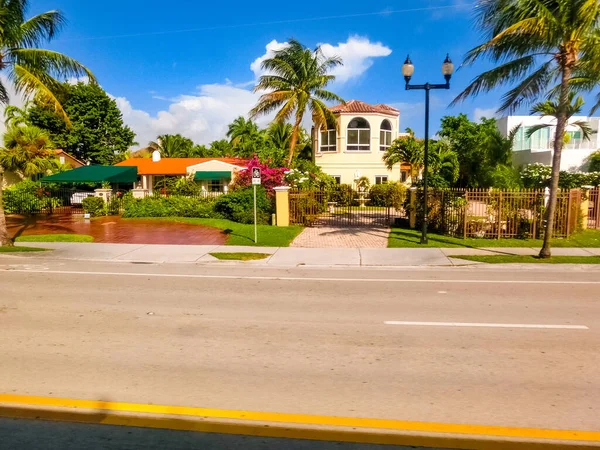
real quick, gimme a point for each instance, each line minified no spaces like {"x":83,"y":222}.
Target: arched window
{"x":328,"y":141}
{"x":385,"y":135}
{"x":359,"y":135}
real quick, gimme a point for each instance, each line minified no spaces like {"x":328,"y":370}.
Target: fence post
{"x":500,"y":214}
{"x":465,"y":214}
{"x":282,"y":205}
{"x":412,"y":219}
{"x":585,"y":207}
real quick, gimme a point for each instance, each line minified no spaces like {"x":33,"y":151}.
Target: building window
{"x":404,"y":176}
{"x":215,"y":185}
{"x":540,"y":140}
{"x":574,"y":140}
{"x":385,"y":135}
{"x":328,"y":141}
{"x":381,"y":179}
{"x":359,"y":135}
{"x":338,"y":179}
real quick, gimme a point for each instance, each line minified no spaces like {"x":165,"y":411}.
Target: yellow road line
{"x":10,"y":404}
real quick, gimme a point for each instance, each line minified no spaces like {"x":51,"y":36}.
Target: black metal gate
{"x":343,"y":208}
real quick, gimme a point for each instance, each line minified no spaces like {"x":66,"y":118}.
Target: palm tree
{"x":28,"y":151}
{"x":549,"y":108}
{"x":16,"y":116}
{"x":406,"y":149}
{"x":538,"y":44}
{"x":279,"y":134}
{"x":295,"y":82}
{"x":30,"y":69}
{"x":242,"y":131}
{"x":172,"y":146}
{"x":444,"y":160}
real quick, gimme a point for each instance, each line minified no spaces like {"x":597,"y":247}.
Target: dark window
{"x":359,"y":135}
{"x":381,"y":179}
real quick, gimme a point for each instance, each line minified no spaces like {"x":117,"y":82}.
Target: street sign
{"x":256,"y":176}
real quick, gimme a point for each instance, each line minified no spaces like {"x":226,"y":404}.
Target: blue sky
{"x":187,"y":67}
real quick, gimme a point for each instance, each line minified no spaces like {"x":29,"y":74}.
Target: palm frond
{"x":529,"y":89}
{"x":328,"y":96}
{"x":4,"y":98}
{"x":586,"y":130}
{"x":54,"y":63}
{"x":41,"y":28}
{"x":532,"y":129}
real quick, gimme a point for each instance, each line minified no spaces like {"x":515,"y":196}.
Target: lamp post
{"x":407,"y":70}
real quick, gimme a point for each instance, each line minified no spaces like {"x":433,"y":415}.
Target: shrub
{"x":343,"y":195}
{"x":239,"y":206}
{"x":270,"y":177}
{"x":28,"y":197}
{"x":388,"y":195}
{"x":186,"y":187}
{"x":538,"y":176}
{"x":174,"y":206}
{"x":94,"y":206}
{"x":594,"y":162}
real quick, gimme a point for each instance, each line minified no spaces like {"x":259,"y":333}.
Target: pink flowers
{"x":270,"y":177}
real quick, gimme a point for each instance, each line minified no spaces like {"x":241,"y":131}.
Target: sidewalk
{"x":282,"y":257}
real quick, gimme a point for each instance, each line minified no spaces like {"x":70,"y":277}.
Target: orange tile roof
{"x":356,"y":106}
{"x":174,"y":166}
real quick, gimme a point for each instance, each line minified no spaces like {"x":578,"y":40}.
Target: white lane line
{"x":276,"y":278}
{"x":487,"y":325}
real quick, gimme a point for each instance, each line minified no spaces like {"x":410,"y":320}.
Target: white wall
{"x":571,"y":159}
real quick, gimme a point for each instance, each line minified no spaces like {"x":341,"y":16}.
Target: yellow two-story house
{"x":356,"y":148}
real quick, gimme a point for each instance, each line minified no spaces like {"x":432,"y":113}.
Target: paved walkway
{"x":279,"y":257}
{"x":334,"y":237}
{"x":115,"y":230}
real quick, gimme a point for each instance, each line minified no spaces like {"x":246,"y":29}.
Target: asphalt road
{"x":309,"y":341}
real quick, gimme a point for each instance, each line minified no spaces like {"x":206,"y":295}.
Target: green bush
{"x":94,"y":206}
{"x":28,"y":197}
{"x":594,"y":161}
{"x":538,"y":176}
{"x":186,"y":187}
{"x":343,"y":195}
{"x":174,"y":206}
{"x":239,"y":206}
{"x":388,"y":195}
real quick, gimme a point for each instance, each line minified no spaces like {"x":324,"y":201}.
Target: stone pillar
{"x":282,"y":205}
{"x":585,"y":206}
{"x":139,"y":193}
{"x":412,"y":218}
{"x":104,"y":194}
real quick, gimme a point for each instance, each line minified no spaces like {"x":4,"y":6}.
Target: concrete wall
{"x":573,"y":159}
{"x":347,"y":164}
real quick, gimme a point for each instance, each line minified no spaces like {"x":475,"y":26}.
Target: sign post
{"x":255,"y":182}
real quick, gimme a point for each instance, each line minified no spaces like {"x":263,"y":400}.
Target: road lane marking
{"x":277,"y":278}
{"x":486,"y":325}
{"x":300,"y":426}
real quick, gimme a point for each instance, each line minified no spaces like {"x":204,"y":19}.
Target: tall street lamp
{"x":407,"y":70}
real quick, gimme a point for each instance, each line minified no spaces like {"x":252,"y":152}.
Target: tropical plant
{"x":97,"y":133}
{"x":539,"y":44}
{"x":15,"y":116}
{"x":31,"y":70}
{"x":172,"y":146}
{"x":594,"y":161}
{"x":295,"y":83}
{"x":28,"y":151}
{"x":271,"y":177}
{"x":550,"y":108}
{"x":245,"y":136}
{"x":408,"y":150}
{"x":444,"y":161}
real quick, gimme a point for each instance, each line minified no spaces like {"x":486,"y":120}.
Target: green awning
{"x":212,"y":175}
{"x":95,"y":174}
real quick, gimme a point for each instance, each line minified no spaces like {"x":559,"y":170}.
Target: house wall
{"x":572,"y":159}
{"x":349,"y":164}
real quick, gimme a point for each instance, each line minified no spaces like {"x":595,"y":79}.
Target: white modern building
{"x":539,"y":147}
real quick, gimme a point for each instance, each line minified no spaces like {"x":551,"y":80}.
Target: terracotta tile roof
{"x":356,"y":106}
{"x":74,"y":161}
{"x":174,"y":166}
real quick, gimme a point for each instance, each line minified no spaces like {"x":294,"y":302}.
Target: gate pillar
{"x":282,"y":205}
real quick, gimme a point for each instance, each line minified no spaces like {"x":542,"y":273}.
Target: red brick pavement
{"x":117,"y":231}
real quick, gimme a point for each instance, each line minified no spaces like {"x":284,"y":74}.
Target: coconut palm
{"x":32,"y":70}
{"x":538,"y":44}
{"x":28,"y":151}
{"x":172,"y":146}
{"x":550,"y":108}
{"x":408,"y":150}
{"x":16,"y":116}
{"x":295,"y":83}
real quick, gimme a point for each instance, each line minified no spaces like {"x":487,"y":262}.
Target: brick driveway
{"x":334,"y":237}
{"x":115,"y":230}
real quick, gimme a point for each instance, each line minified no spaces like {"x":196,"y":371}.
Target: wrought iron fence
{"x":45,"y":200}
{"x":497,"y":214}
{"x":343,"y":206}
{"x":593,"y":219}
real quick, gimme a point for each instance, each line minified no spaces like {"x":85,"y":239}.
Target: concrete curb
{"x":317,"y":428}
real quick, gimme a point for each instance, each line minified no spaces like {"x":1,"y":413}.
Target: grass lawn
{"x":15,"y":249}
{"x":240,"y":256}
{"x":243,"y":234}
{"x":407,"y":238}
{"x":507,"y":259}
{"x":56,"y":238}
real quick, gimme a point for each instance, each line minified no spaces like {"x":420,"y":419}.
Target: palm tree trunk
{"x":294,"y":138}
{"x":5,"y":239}
{"x":559,"y":139}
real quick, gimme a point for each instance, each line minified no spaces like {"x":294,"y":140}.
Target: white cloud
{"x":202,"y":117}
{"x":480,"y":113}
{"x":357,"y":53}
{"x":74,"y":80}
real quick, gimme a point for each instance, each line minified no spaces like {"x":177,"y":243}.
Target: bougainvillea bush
{"x":270,"y":177}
